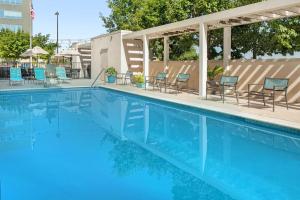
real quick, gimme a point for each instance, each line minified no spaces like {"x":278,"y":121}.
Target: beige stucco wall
{"x":107,"y":51}
{"x":249,"y":71}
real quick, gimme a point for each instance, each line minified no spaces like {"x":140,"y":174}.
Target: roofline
{"x":112,"y":33}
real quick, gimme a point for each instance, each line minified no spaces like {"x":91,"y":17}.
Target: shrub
{"x":213,"y":73}
{"x":111,"y":71}
{"x":139,"y":78}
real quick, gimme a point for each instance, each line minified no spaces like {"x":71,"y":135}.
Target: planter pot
{"x":140,"y":85}
{"x":213,"y":83}
{"x":111,"y":79}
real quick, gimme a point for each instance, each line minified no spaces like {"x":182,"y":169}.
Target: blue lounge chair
{"x":182,"y":80}
{"x":228,"y":83}
{"x":39,"y":74}
{"x":16,"y":76}
{"x":269,"y":89}
{"x":159,"y":81}
{"x":61,"y":74}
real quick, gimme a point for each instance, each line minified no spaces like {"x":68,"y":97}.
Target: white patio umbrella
{"x":36,"y":51}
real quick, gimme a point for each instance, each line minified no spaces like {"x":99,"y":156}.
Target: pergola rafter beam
{"x":266,"y":10}
{"x":258,"y":12}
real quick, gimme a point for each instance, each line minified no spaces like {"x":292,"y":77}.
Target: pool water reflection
{"x":100,"y":144}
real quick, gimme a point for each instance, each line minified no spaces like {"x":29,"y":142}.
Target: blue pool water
{"x":88,"y":144}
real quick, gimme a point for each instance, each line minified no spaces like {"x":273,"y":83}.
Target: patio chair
{"x":159,"y":81}
{"x":61,"y":74}
{"x":125,"y":77}
{"x":16,"y":76}
{"x":269,"y":89}
{"x":39,"y":74}
{"x":182,"y":80}
{"x":226,"y":83}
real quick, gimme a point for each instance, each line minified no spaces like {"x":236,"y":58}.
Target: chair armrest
{"x":149,"y":77}
{"x":278,"y":88}
{"x":121,"y":74}
{"x":254,"y":84}
{"x":229,"y":84}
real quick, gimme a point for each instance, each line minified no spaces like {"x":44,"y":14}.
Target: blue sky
{"x":79,"y":19}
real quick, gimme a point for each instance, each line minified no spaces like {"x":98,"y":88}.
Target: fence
{"x":249,"y":71}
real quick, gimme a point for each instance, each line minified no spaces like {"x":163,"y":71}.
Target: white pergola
{"x":263,"y":11}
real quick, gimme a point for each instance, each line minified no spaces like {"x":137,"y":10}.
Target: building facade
{"x":15,"y":15}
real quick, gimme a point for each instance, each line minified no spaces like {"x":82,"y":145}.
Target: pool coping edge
{"x":247,"y":116}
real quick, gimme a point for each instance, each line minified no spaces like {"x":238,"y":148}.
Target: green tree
{"x":44,"y":42}
{"x":13,"y":44}
{"x":279,"y":36}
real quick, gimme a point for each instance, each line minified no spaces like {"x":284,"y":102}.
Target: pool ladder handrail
{"x":98,"y":76}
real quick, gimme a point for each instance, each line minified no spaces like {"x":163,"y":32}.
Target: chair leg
{"x":248,"y":99}
{"x":286,"y":100}
{"x":237,"y":95}
{"x":220,"y":90}
{"x":206,"y":93}
{"x":223,"y":90}
{"x":274,"y":102}
{"x":264,"y":99}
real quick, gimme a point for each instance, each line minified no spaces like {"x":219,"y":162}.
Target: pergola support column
{"x":202,"y":59}
{"x":226,"y":47}
{"x":146,"y":55}
{"x":166,"y":52}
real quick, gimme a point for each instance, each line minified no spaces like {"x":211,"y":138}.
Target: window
{"x":14,"y":2}
{"x":11,"y":27}
{"x":10,"y":14}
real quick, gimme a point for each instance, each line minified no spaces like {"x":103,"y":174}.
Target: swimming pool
{"x":102,"y":144}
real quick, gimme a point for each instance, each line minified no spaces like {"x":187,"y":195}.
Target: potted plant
{"x":212,"y":75}
{"x":139,"y":80}
{"x":111,"y":74}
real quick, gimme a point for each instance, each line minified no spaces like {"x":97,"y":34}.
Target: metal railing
{"x":98,"y":76}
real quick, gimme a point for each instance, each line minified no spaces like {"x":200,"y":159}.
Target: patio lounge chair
{"x":125,"y":77}
{"x":16,"y":76}
{"x":182,"y":80}
{"x":269,"y":89}
{"x":39,"y":74}
{"x":159,"y":81}
{"x":61,"y":74}
{"x":226,"y":83}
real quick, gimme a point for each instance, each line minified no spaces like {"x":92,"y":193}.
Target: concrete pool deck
{"x":287,"y":118}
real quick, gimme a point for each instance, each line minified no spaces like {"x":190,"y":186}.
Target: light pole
{"x":57,"y":14}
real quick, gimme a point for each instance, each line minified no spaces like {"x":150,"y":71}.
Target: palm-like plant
{"x":213,"y":73}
